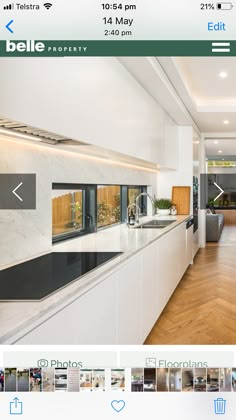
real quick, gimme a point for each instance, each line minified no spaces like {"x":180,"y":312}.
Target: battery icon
{"x":224,"y":6}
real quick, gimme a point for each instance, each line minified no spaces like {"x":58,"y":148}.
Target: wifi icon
{"x":47,"y":5}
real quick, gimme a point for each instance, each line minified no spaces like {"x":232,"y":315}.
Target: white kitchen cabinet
{"x":169,"y":268}
{"x":90,"y":319}
{"x":181,"y":239}
{"x":170,"y":143}
{"x":150,"y":273}
{"x":123,"y":308}
{"x":128,"y":315}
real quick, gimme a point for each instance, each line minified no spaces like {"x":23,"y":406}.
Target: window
{"x":67,"y":211}
{"x":133,"y":193}
{"x":78,"y":209}
{"x":108,"y":205}
{"x":73,"y":211}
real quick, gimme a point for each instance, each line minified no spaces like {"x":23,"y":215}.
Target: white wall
{"x":95,"y":100}
{"x":27,"y":233}
{"x":183,"y":176}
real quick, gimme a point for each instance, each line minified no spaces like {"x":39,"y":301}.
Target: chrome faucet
{"x":150,"y":198}
{"x":136,"y":214}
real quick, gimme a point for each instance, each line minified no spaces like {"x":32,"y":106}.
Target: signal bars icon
{"x":9,"y":7}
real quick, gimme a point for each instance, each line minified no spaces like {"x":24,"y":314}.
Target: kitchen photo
{"x":98,"y":380}
{"x":164,"y":382}
{"x":86,"y":379}
{"x":234,"y":379}
{"x":1,"y":379}
{"x":48,"y":380}
{"x":100,"y":180}
{"x":213,"y":384}
{"x":175,"y":380}
{"x":137,"y":377}
{"x":200,"y":379}
{"x":61,"y":379}
{"x":187,"y":380}
{"x":118,"y":379}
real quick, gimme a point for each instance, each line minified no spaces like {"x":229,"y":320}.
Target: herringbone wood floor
{"x":202,"y":310}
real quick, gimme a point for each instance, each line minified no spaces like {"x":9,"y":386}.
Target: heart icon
{"x":118,"y":405}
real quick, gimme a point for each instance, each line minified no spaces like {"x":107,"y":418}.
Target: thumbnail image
{"x":86,"y":379}
{"x":35,"y":380}
{"x":175,"y":380}
{"x":149,"y":380}
{"x":118,"y":379}
{"x":200,"y":379}
{"x":48,"y":379}
{"x":10,"y":380}
{"x":1,"y":379}
{"x":61,"y":379}
{"x":187,"y":380}
{"x":98,"y":379}
{"x":137,"y":379}
{"x":22,"y":384}
{"x":162,"y":380}
{"x":213,"y":380}
{"x":234,"y":379}
{"x":73,"y":378}
{"x":225,"y":379}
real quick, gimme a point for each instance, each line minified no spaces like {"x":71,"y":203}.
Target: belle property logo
{"x":46,"y":48}
{"x":25,"y":46}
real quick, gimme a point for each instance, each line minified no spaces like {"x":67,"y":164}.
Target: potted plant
{"x":162,"y":206}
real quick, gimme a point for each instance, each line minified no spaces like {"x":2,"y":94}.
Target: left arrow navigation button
{"x":17,"y":191}
{"x":8,"y":26}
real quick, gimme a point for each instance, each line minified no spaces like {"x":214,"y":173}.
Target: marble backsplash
{"x":28,"y":233}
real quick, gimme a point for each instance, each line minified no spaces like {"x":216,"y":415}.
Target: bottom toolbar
{"x":106,"y":405}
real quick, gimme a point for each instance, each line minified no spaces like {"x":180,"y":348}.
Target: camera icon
{"x":43,"y":363}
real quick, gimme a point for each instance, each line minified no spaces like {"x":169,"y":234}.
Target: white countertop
{"x":19,"y":318}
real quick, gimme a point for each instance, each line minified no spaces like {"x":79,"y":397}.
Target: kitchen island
{"x":118,"y":302}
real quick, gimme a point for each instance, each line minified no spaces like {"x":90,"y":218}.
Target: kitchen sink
{"x":156,"y":224}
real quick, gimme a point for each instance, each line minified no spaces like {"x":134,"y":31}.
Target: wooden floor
{"x":202,"y":309}
{"x":228,"y":237}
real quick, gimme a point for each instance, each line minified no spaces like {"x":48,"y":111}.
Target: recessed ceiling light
{"x":196,"y":142}
{"x":216,"y":141}
{"x":226,"y":121}
{"x":223,"y":74}
{"x":219,"y":151}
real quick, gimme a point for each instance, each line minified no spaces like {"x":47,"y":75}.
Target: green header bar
{"x":31,"y":48}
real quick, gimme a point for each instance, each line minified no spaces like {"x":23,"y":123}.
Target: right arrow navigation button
{"x":17,"y":191}
{"x":221,"y":191}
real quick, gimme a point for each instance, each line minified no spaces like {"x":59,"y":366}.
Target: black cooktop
{"x":38,"y":278}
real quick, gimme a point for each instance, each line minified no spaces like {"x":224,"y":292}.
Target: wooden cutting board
{"x":181,"y":197}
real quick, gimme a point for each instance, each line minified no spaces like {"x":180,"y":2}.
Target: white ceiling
{"x":227,"y":147}
{"x":209,"y":98}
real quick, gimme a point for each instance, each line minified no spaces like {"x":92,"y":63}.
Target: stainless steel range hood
{"x":26,"y":132}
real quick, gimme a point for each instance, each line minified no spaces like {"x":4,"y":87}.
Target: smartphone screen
{"x":118,"y":209}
